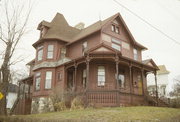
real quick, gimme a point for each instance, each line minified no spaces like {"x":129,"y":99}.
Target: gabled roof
{"x":150,"y":62}
{"x":162,"y":70}
{"x":59,"y":29}
{"x":103,"y":48}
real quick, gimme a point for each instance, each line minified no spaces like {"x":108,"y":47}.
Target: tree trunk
{"x":5,"y":79}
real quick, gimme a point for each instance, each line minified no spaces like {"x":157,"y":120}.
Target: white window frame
{"x":40,"y":53}
{"x":50,"y":51}
{"x":48,"y":80}
{"x":37,"y":81}
{"x":101,"y":76}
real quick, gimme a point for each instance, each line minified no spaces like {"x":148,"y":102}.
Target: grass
{"x":116,"y":114}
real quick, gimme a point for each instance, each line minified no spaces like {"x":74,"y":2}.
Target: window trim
{"x":40,"y":48}
{"x":116,"y":42}
{"x":101,"y":85}
{"x":48,"y":79}
{"x":37,"y":76}
{"x":84,"y":48}
{"x":135,"y":55}
{"x":50,"y":51}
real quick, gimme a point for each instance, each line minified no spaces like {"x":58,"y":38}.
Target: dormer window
{"x":135,"y":54}
{"x":84,"y":47}
{"x":39,"y":53}
{"x":50,"y":51}
{"x":115,"y":28}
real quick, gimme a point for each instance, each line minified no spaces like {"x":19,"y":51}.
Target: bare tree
{"x":12,"y":28}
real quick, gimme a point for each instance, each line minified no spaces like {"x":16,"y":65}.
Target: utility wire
{"x":169,"y":37}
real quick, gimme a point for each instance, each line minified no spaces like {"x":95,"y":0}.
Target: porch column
{"x":130,"y":80}
{"x":87,"y":72}
{"x":142,"y":78}
{"x":155,"y":74}
{"x":117,"y":71}
{"x":75,"y":77}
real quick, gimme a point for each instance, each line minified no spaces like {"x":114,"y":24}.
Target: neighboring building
{"x":102,"y":60}
{"x":162,"y":82}
{"x":12,"y":95}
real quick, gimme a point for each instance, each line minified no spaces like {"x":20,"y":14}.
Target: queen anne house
{"x":103,"y":60}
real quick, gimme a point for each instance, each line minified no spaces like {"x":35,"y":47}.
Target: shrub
{"x":77,"y":103}
{"x":60,"y":106}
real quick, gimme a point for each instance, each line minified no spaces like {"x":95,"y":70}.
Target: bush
{"x":60,"y":106}
{"x":77,"y":103}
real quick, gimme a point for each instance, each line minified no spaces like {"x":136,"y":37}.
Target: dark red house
{"x":103,"y":60}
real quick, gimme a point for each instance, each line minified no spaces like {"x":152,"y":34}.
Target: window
{"x":63,"y":52}
{"x":135,"y":54}
{"x":84,"y":47}
{"x":101,"y":75}
{"x":48,"y":80}
{"x":40,"y":53}
{"x":116,"y":44}
{"x":117,"y":30}
{"x":84,"y":78}
{"x":37,"y":81}
{"x":113,"y":28}
{"x":59,"y":76}
{"x":50,"y":51}
{"x":121,"y":80}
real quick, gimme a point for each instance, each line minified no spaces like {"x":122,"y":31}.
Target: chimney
{"x":80,"y":26}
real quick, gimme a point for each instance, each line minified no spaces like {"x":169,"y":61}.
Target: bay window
{"x":101,"y":75}
{"x":40,"y":53}
{"x":48,"y":80}
{"x":50,"y":51}
{"x":37,"y":81}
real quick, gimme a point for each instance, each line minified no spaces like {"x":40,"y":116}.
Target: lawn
{"x":118,"y":114}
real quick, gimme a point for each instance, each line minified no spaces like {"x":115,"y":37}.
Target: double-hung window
{"x":40,"y":53}
{"x":50,"y":51}
{"x":48,"y":80}
{"x":135,"y":54}
{"x":101,"y":75}
{"x":84,"y":47}
{"x":116,"y":44}
{"x":37,"y":81}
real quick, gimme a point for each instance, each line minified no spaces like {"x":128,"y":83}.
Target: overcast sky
{"x":163,"y":14}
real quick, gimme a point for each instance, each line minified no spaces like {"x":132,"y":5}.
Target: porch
{"x":109,"y":80}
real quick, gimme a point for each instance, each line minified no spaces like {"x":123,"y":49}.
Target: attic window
{"x":115,"y":28}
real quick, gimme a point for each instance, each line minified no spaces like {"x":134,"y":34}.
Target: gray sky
{"x":163,"y":14}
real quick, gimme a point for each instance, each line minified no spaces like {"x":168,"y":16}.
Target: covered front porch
{"x":109,"y":79}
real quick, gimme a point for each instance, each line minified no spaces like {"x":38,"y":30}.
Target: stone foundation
{"x":41,"y":105}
